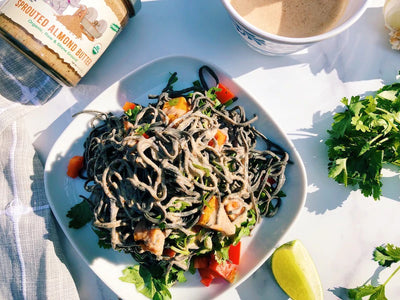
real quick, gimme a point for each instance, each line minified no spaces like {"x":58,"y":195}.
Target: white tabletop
{"x":338,"y":226}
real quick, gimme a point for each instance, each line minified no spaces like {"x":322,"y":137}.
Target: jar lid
{"x":133,"y":7}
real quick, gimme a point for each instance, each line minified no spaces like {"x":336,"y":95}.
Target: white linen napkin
{"x":32,"y":263}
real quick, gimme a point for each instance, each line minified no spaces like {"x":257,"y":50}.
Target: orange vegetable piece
{"x":74,"y":166}
{"x":208,"y":210}
{"x":220,"y":136}
{"x":176,"y":107}
{"x":224,"y":95}
{"x":128,"y":105}
{"x":127,"y":125}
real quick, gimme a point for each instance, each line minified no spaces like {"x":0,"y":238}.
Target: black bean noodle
{"x":165,"y":178}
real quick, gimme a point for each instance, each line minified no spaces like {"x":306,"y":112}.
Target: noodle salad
{"x":178,"y":183}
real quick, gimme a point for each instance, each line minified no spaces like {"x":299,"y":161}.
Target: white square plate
{"x":63,"y":192}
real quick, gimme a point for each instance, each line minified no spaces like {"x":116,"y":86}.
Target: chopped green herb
{"x":80,"y":214}
{"x":246,"y":227}
{"x":132,"y":113}
{"x":143,"y":129}
{"x":363,"y":138}
{"x":173,"y":102}
{"x":104,"y":238}
{"x":145,"y":283}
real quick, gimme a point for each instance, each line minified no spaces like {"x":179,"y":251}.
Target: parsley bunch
{"x":385,"y":256}
{"x":363,"y":138}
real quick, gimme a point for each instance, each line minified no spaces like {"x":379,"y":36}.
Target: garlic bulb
{"x":391,"y":14}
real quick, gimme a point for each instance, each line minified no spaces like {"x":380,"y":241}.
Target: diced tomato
{"x":201,"y":262}
{"x":145,"y":135}
{"x":224,"y":95}
{"x":234,"y":253}
{"x":270,"y":180}
{"x":128,"y":105}
{"x":220,"y":137}
{"x":224,"y":270}
{"x":74,"y":166}
{"x":206,"y":275}
{"x":169,"y":252}
{"x":206,"y":281}
{"x":209,"y":268}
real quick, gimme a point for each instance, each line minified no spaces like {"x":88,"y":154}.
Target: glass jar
{"x":64,"y":37}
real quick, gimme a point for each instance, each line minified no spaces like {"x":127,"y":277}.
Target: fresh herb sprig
{"x":385,"y":255}
{"x":365,"y":137}
{"x":153,"y":287}
{"x":80,"y":214}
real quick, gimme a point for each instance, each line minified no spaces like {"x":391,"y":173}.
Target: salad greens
{"x":149,"y":284}
{"x":385,"y":255}
{"x":365,"y":137}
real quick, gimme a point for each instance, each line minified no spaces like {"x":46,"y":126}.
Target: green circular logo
{"x":96,"y":49}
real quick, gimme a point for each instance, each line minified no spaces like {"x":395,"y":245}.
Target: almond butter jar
{"x":64,"y":37}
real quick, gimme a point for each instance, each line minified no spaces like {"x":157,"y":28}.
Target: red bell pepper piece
{"x":234,"y":253}
{"x":224,"y":95}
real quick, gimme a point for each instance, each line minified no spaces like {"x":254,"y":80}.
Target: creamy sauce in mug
{"x":292,"y":18}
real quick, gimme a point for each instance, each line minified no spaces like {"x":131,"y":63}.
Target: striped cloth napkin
{"x":32,"y":263}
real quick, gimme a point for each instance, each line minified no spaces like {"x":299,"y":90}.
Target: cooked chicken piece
{"x":153,"y":238}
{"x":214,"y":217}
{"x":234,"y":208}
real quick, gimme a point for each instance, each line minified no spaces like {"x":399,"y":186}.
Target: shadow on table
{"x":323,"y":192}
{"x":230,"y":53}
{"x":342,"y":293}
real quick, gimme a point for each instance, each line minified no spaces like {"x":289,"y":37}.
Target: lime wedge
{"x":295,"y":272}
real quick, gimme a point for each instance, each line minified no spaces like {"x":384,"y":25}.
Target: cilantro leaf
{"x":145,"y":283}
{"x":363,"y":138}
{"x":376,"y":292}
{"x":246,"y":227}
{"x":104,"y":238}
{"x":386,"y":255}
{"x":80,"y":214}
{"x":142,"y":129}
{"x":132,"y":113}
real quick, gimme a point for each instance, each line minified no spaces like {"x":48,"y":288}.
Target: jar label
{"x":79,"y":31}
